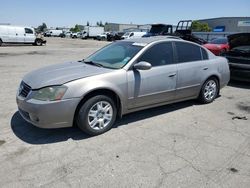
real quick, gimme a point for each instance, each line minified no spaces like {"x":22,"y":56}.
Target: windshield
{"x":219,"y":41}
{"x":159,"y":29}
{"x":126,"y":34}
{"x":115,"y":55}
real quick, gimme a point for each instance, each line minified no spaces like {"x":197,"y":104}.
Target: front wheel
{"x":209,"y":91}
{"x":97,"y":115}
{"x":38,"y":42}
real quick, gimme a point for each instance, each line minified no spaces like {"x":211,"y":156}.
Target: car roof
{"x":148,"y":40}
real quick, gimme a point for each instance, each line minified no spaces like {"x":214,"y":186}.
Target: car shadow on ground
{"x":239,"y":84}
{"x":34,"y":135}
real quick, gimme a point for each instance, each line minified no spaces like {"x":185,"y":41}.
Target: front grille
{"x":24,"y":89}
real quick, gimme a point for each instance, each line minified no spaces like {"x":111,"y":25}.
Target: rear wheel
{"x":209,"y":91}
{"x":97,"y":115}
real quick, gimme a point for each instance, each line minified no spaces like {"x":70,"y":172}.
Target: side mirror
{"x":143,"y":65}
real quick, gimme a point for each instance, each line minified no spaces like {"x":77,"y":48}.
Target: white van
{"x":131,"y":35}
{"x":53,"y":33}
{"x":16,"y":34}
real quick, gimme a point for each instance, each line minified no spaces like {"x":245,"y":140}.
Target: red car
{"x":218,"y":46}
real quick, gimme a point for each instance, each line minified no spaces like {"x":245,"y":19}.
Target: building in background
{"x":228,"y":24}
{"x":120,"y":27}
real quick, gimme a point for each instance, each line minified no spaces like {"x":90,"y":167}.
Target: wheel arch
{"x":101,"y":91}
{"x":213,"y":76}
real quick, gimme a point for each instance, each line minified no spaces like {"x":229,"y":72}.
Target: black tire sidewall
{"x":82,"y":116}
{"x":202,"y":97}
{"x":38,"y":42}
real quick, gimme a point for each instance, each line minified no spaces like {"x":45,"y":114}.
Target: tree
{"x":101,"y":24}
{"x":87,"y":23}
{"x":97,"y":23}
{"x":75,"y":29}
{"x":200,"y":27}
{"x":42,"y":28}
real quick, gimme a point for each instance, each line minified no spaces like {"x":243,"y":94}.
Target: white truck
{"x":53,"y":33}
{"x":132,"y":35}
{"x":91,"y":32}
{"x":21,"y":35}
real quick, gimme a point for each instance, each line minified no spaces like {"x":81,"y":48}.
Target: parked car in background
{"x":76,"y":35}
{"x":239,"y":56}
{"x":113,"y":36}
{"x":159,"y":29}
{"x":133,"y":35}
{"x":218,"y":46}
{"x":20,"y":35}
{"x":123,"y":77}
{"x":53,"y":33}
{"x":67,"y":34}
{"x":102,"y":36}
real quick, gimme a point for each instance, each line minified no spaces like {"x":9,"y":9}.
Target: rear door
{"x":29,"y":36}
{"x":191,"y":67}
{"x":157,"y":85}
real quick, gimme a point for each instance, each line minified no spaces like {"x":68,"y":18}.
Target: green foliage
{"x":75,"y":29}
{"x":200,"y":27}
{"x":100,"y":24}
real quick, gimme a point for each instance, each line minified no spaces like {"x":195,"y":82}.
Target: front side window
{"x":188,"y":52}
{"x":115,"y":55}
{"x":159,"y":54}
{"x":28,"y":31}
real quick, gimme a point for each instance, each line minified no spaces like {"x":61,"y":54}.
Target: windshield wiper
{"x":93,"y":63}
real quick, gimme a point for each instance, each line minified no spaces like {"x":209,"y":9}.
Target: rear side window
{"x":28,"y":31}
{"x":159,"y":54}
{"x":204,"y":54}
{"x":188,"y":52}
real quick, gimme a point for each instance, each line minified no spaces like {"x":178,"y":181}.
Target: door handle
{"x":205,"y":68}
{"x":172,"y":75}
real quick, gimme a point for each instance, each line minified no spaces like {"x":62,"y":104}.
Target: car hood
{"x":239,"y":39}
{"x":61,"y":73}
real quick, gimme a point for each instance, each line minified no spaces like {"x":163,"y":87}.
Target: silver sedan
{"x":121,"y":78}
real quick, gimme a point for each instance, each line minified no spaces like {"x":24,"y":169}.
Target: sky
{"x":68,"y":13}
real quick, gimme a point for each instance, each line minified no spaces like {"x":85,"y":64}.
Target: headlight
{"x":52,"y":93}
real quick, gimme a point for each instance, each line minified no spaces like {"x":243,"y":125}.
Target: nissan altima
{"x":123,"y":77}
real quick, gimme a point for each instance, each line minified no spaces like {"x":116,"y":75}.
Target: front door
{"x":29,"y":36}
{"x":156,"y":85}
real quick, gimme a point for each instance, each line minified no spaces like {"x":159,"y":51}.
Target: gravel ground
{"x":179,"y":145}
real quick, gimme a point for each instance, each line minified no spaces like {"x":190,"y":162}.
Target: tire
{"x":94,"y":119}
{"x":209,"y":91}
{"x":38,"y":42}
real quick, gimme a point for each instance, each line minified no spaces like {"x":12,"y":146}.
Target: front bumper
{"x":47,"y":114}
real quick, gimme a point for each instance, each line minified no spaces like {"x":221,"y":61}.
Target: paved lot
{"x":180,"y":145}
